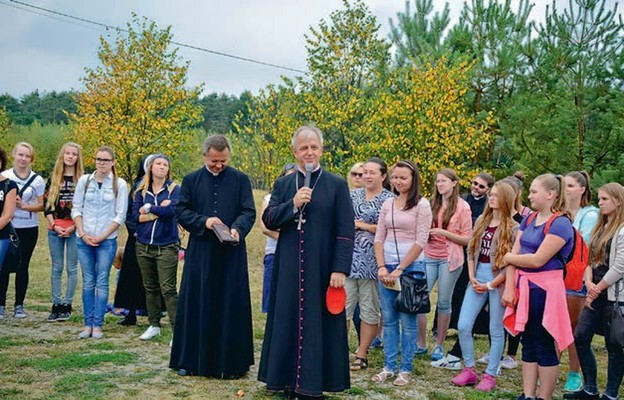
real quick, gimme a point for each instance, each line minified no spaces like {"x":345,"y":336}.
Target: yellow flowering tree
{"x":137,"y":100}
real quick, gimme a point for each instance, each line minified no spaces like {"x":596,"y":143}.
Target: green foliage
{"x":363,"y":107}
{"x":137,"y":101}
{"x":46,"y":139}
{"x":51,"y":107}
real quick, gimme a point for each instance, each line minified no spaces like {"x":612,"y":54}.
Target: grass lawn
{"x":42,"y":360}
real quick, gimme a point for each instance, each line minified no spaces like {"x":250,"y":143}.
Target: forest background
{"x":494,"y":91}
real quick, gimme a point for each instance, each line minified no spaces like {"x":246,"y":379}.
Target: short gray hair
{"x":309,"y":129}
{"x":217,"y":142}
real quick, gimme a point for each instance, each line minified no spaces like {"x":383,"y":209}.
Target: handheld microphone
{"x":308,"y":174}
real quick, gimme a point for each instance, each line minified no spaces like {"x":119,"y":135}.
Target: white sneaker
{"x":509,"y":363}
{"x":485,"y":359}
{"x":150,"y":333}
{"x":449,"y":361}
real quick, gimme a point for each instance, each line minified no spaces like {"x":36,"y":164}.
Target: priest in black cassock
{"x":305,"y":347}
{"x":213,"y":331}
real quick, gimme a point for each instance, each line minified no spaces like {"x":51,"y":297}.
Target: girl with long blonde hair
{"x":492,"y":238}
{"x":603,"y":278}
{"x":534,"y":284}
{"x":58,"y":200}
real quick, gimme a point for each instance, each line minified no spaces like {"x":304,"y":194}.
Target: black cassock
{"x":213,"y":331}
{"x":305,"y":347}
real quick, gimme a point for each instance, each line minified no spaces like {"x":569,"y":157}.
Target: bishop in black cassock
{"x":213,"y":331}
{"x":305,"y":347}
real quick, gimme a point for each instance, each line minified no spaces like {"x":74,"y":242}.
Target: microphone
{"x":308,"y":174}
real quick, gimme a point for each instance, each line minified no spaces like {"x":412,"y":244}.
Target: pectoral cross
{"x":301,"y":221}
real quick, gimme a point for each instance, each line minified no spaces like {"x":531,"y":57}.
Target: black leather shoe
{"x":127,"y":321}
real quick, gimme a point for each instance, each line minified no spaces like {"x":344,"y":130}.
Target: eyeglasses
{"x":357,"y":174}
{"x":103,"y":160}
{"x":477,"y":184}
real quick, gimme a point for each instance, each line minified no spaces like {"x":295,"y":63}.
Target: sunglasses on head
{"x":357,"y":174}
{"x":477,"y":184}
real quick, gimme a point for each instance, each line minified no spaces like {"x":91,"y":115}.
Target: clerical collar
{"x":212,"y":172}
{"x":477,"y":198}
{"x":303,"y":171}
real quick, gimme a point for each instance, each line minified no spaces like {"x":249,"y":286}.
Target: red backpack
{"x":574,"y":266}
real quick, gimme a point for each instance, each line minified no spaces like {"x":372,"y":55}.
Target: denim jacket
{"x":99,"y":207}
{"x":163,"y":230}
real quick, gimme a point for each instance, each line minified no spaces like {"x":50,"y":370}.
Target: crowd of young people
{"x":512,"y":261}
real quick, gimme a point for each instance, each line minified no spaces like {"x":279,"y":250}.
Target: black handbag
{"x":616,"y":329}
{"x":13,"y":257}
{"x":414,"y":295}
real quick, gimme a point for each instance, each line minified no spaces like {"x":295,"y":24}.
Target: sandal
{"x":382,"y":376}
{"x":402,"y":379}
{"x":359,"y":364}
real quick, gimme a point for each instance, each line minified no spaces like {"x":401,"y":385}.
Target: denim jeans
{"x":159,"y":268}
{"x":63,"y":252}
{"x":4,"y":246}
{"x":392,"y":318}
{"x":437,"y":270}
{"x":472,"y":305}
{"x":588,"y":321}
{"x":96,"y":262}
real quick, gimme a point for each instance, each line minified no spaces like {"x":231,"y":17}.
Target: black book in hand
{"x":223,"y":234}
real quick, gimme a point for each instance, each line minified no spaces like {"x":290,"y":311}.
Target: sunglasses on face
{"x":480,"y":186}
{"x":103,"y":160}
{"x":357,"y":174}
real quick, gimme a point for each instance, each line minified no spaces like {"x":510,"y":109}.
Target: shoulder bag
{"x":616,"y":328}
{"x":414,"y":296}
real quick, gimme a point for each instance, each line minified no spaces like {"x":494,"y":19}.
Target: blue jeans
{"x":472,"y":305}
{"x":391,"y":319}
{"x":437,"y":270}
{"x":63,"y":251}
{"x":96,"y":262}
{"x":4,"y":246}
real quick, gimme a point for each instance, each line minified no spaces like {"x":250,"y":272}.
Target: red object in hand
{"x":336,"y":299}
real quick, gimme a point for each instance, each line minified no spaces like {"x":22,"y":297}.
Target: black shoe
{"x":54,"y":315}
{"x":581,"y":394}
{"x":64,"y":312}
{"x":127,"y":320}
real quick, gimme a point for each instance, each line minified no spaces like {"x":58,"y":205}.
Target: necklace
{"x":301,"y":220}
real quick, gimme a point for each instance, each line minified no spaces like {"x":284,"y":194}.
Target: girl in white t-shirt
{"x":29,"y":202}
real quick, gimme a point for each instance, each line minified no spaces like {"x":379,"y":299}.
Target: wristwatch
{"x":489,"y":286}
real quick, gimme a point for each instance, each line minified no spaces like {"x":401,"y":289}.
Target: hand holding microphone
{"x":304,"y":195}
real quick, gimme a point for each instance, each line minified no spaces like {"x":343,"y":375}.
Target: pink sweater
{"x":411,"y":226}
{"x":556,"y":318}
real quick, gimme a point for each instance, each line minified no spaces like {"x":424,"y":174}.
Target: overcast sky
{"x":44,"y":53}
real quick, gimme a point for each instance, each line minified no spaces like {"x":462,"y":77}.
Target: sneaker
{"x":449,"y":361}
{"x":581,"y":394}
{"x":485,"y":359}
{"x":437,"y":353}
{"x":376,"y":342}
{"x":487,"y":384}
{"x":420,"y":351}
{"x":467,"y":377}
{"x":19,"y":313}
{"x":54,"y":314}
{"x":150,"y":333}
{"x":574,"y":383}
{"x":508,"y":362}
{"x":1,"y":312}
{"x":86,"y":333}
{"x":64,"y":312}
{"x":97,"y":333}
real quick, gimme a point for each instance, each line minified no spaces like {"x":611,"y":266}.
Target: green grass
{"x":40,"y":360}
